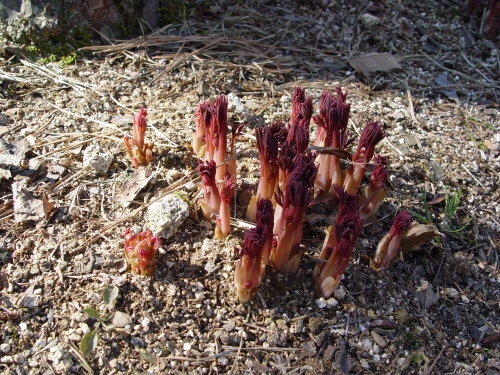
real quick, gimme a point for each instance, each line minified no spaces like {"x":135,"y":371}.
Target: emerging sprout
{"x":265,"y":217}
{"x":226,"y":192}
{"x":140,"y":153}
{"x":338,"y":245}
{"x":247,"y":275}
{"x":371,"y":135}
{"x":372,"y":195}
{"x":268,"y":138}
{"x":332,"y":123}
{"x":140,"y":251}
{"x":389,"y":246}
{"x":211,"y":204}
{"x":294,"y":202}
{"x":203,"y":120}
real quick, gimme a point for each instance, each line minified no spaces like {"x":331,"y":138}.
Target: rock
{"x":229,"y":326}
{"x":190,"y":186}
{"x":235,"y":105}
{"x":121,"y":320}
{"x":165,"y":216}
{"x":108,"y":107}
{"x":309,"y":348}
{"x":339,"y":292}
{"x":329,"y":352}
{"x":321,"y":303}
{"x":96,"y":158}
{"x":379,"y":339}
{"x":369,"y":19}
{"x":331,"y":303}
{"x":4,"y":119}
{"x":7,"y":359}
{"x":5,"y":348}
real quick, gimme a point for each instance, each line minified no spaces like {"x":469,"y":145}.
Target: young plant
{"x":226,"y":191}
{"x":211,"y":204}
{"x":140,"y":152}
{"x":219,"y":125}
{"x":389,"y":246}
{"x":268,"y":139}
{"x":338,"y":245}
{"x":203,"y":121}
{"x":372,"y":195}
{"x":332,"y":123}
{"x":372,"y":134}
{"x":247,"y":274}
{"x":293,"y":201}
{"x":89,"y":340}
{"x":265,"y":217}
{"x":140,"y":251}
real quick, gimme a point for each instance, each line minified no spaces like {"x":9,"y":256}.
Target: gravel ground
{"x":62,"y":222}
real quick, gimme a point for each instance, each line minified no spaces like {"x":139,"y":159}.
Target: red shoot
{"x":140,"y":251}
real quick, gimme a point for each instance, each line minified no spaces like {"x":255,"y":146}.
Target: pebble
{"x":5,"y":348}
{"x":331,"y":303}
{"x":145,"y":322}
{"x":108,"y":107}
{"x":340,"y":292}
{"x":4,"y":119}
{"x":223,"y":361}
{"x":379,"y":339}
{"x":120,"y":319}
{"x":190,"y":186}
{"x":367,"y":344}
{"x":321,"y":303}
{"x":19,"y":358}
{"x":364,"y":363}
{"x":165,"y":216}
{"x":229,"y":326}
{"x":75,"y":337}
{"x":285,"y":99}
{"x":369,"y":19}
{"x":7,"y":359}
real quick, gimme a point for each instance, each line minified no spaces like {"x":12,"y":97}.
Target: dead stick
{"x":429,"y":371}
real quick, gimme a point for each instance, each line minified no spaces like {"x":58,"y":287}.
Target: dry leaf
{"x":48,"y":206}
{"x":26,"y":206}
{"x":374,"y":62}
{"x":416,"y":236}
{"x":426,"y":295}
{"x":131,"y":188}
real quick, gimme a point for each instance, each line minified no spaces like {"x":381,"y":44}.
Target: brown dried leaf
{"x":131,"y":188}
{"x":374,"y":62}
{"x":48,"y":206}
{"x":416,"y":236}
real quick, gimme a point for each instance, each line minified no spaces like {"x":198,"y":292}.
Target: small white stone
{"x":369,"y":19}
{"x":321,"y":303}
{"x":5,"y":348}
{"x":23,"y":326}
{"x":285,"y":99}
{"x":96,"y":158}
{"x":367,"y":344}
{"x":340,"y":292}
{"x":331,"y":303}
{"x":84,"y":327}
{"x":145,"y":322}
{"x":376,"y":357}
{"x":464,"y":298}
{"x":165,"y":216}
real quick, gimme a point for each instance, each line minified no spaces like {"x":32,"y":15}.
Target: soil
{"x":435,"y":312}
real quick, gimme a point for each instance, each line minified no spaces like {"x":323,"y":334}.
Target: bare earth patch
{"x":62,"y":223}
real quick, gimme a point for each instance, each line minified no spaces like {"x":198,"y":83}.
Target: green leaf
{"x":109,"y":294}
{"x":107,"y":317}
{"x":92,"y":313}
{"x":89,"y":342}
